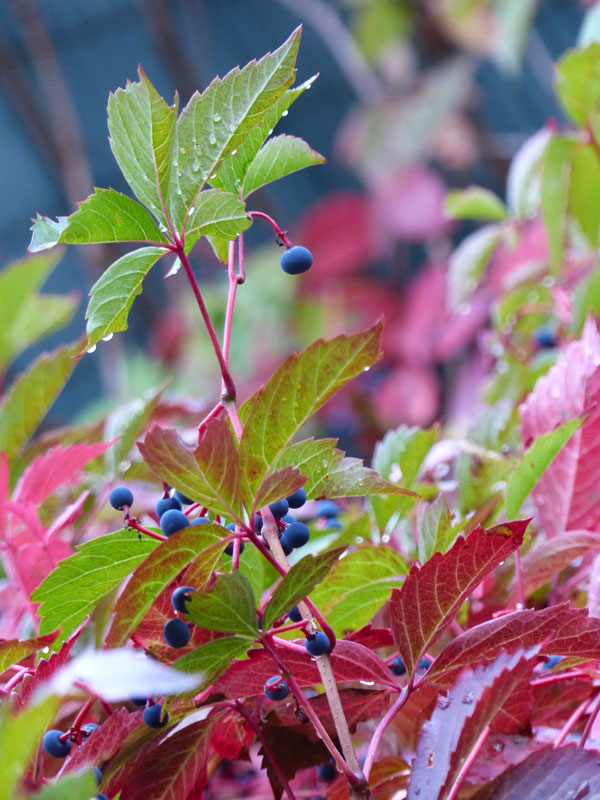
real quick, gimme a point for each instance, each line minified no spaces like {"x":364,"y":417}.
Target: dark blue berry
{"x":53,"y":745}
{"x":545,"y":338}
{"x":294,"y":614}
{"x":296,"y":260}
{"x":176,"y":632}
{"x":121,"y":496}
{"x":229,"y":548}
{"x":297,"y":534}
{"x":180,"y":598}
{"x":327,"y":771}
{"x":173,"y":521}
{"x":258,"y":523}
{"x":97,"y":774}
{"x":276,"y":688}
{"x":424,"y":663}
{"x":279,"y":508}
{"x":89,"y":728}
{"x":333,"y":523}
{"x":201,"y":521}
{"x":327,"y":508}
{"x":185,"y":501}
{"x":231,"y":526}
{"x":297,"y":499}
{"x":318,"y":645}
{"x":152,"y":716}
{"x":398,"y":666}
{"x":165,"y":504}
{"x":285,"y":544}
{"x":138,"y":701}
{"x":552,"y":662}
{"x":288,"y":519}
{"x":101,"y":796}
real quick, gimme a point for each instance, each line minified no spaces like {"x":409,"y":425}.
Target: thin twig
{"x":460,"y":778}
{"x":381,"y":728}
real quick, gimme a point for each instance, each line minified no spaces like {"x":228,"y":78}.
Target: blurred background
{"x":413,"y":98}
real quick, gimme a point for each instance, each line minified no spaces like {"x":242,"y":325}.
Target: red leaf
{"x":554,"y":702}
{"x":168,"y":768}
{"x":55,"y":468}
{"x":432,"y":594}
{"x":371,"y":637}
{"x":551,"y":774}
{"x":550,"y":556}
{"x":231,"y":734}
{"x":515,"y":714}
{"x":105,"y":743}
{"x":350,"y":662}
{"x":561,"y":629}
{"x":567,"y":495}
{"x":459,"y":719}
{"x":47,"y":668}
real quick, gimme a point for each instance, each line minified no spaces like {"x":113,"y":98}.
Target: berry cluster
{"x":58,"y":745}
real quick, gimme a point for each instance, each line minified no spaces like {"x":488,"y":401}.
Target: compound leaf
{"x":215,"y":213}
{"x":227,"y":606}
{"x":71,"y":592}
{"x":112,"y":296}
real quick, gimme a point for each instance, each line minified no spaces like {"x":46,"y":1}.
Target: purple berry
{"x":296,"y":260}
{"x":53,"y":746}
{"x":176,"y":633}
{"x":180,"y":598}
{"x":121,"y":496}
{"x":165,"y":504}
{"x":318,"y":644}
{"x":285,"y":544}
{"x":279,"y":508}
{"x":276,"y":688}
{"x":152,"y":717}
{"x":297,"y":499}
{"x":297,"y":534}
{"x":173,"y":521}
{"x":327,"y":771}
{"x":398,"y":666}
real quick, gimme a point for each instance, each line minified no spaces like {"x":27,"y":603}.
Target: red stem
{"x":16,"y":679}
{"x":211,"y":415}
{"x":76,"y":726}
{"x":265,"y":746}
{"x":572,"y":721}
{"x":280,"y":233}
{"x":560,"y":676}
{"x":241,"y":265}
{"x":229,"y":393}
{"x":290,"y":627}
{"x":460,"y":778}
{"x":237,"y":549}
{"x":588,"y":725}
{"x":381,"y":728}
{"x":133,"y":523}
{"x":233,"y":283}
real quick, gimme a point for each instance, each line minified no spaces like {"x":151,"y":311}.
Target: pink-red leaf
{"x":231,"y":734}
{"x":459,"y":719}
{"x":105,"y":742}
{"x":562,"y":630}
{"x":567,"y":495}
{"x":350,"y":662}
{"x":432,"y":594}
{"x":515,"y":714}
{"x":552,"y":774}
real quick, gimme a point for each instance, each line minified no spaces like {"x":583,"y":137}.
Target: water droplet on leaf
{"x":212,"y":139}
{"x":284,"y":113}
{"x":92,"y":349}
{"x":107,"y":338}
{"x":217,"y":117}
{"x":195,"y":165}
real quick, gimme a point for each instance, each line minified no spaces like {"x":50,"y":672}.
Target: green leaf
{"x":19,"y":740}
{"x":31,"y":395}
{"x":556,"y":181}
{"x":586,"y":300}
{"x":535,"y":462}
{"x":142,"y":138}
{"x":73,"y":589}
{"x":280,"y":483}
{"x":436,"y":533}
{"x":584,"y":204}
{"x":475,"y":202}
{"x":80,"y":786}
{"x":199,"y":544}
{"x":468,"y":263}
{"x":26,"y":316}
{"x":12,"y":650}
{"x":210,"y":476}
{"x":523,"y":183}
{"x":227,"y":606}
{"x":216,"y":122}
{"x":252,"y":564}
{"x":277,"y":158}
{"x":234,"y":167}
{"x":212,"y":658}
{"x":109,"y":216}
{"x":112,"y":296}
{"x":578,"y":85}
{"x":217,"y":214}
{"x":331,"y":473}
{"x":299,"y":582}
{"x":46,"y":232}
{"x":302,"y":384}
{"x":358,"y":585}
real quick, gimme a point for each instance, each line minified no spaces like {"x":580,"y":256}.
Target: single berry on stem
{"x":398,"y":666}
{"x":318,"y":644}
{"x":180,"y":598}
{"x":121,"y":496}
{"x":176,"y":633}
{"x":166,"y":504}
{"x":173,"y":521}
{"x":152,"y":717}
{"x":276,"y":688}
{"x":297,"y":499}
{"x":54,"y":746}
{"x":296,"y":260}
{"x":297,"y":534}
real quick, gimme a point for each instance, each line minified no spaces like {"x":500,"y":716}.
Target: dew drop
{"x":548,"y":281}
{"x":107,"y":338}
{"x":386,"y":537}
{"x":284,"y":113}
{"x":212,"y":139}
{"x":498,"y":747}
{"x":468,"y":699}
{"x":178,"y":191}
{"x":366,"y":369}
{"x":217,"y":117}
{"x":182,"y":150}
{"x":443,"y":701}
{"x":359,"y":540}
{"x":175,"y":163}
{"x":213,"y":176}
{"x":192,"y":210}
{"x":271,"y":131}
{"x":231,"y":128}
{"x":195,"y":165}
{"x":464,"y":309}
{"x":441,"y":470}
{"x":233,"y":152}
{"x":367,"y":683}
{"x":92,"y":349}
{"x":430,"y":758}
{"x":519,"y":606}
